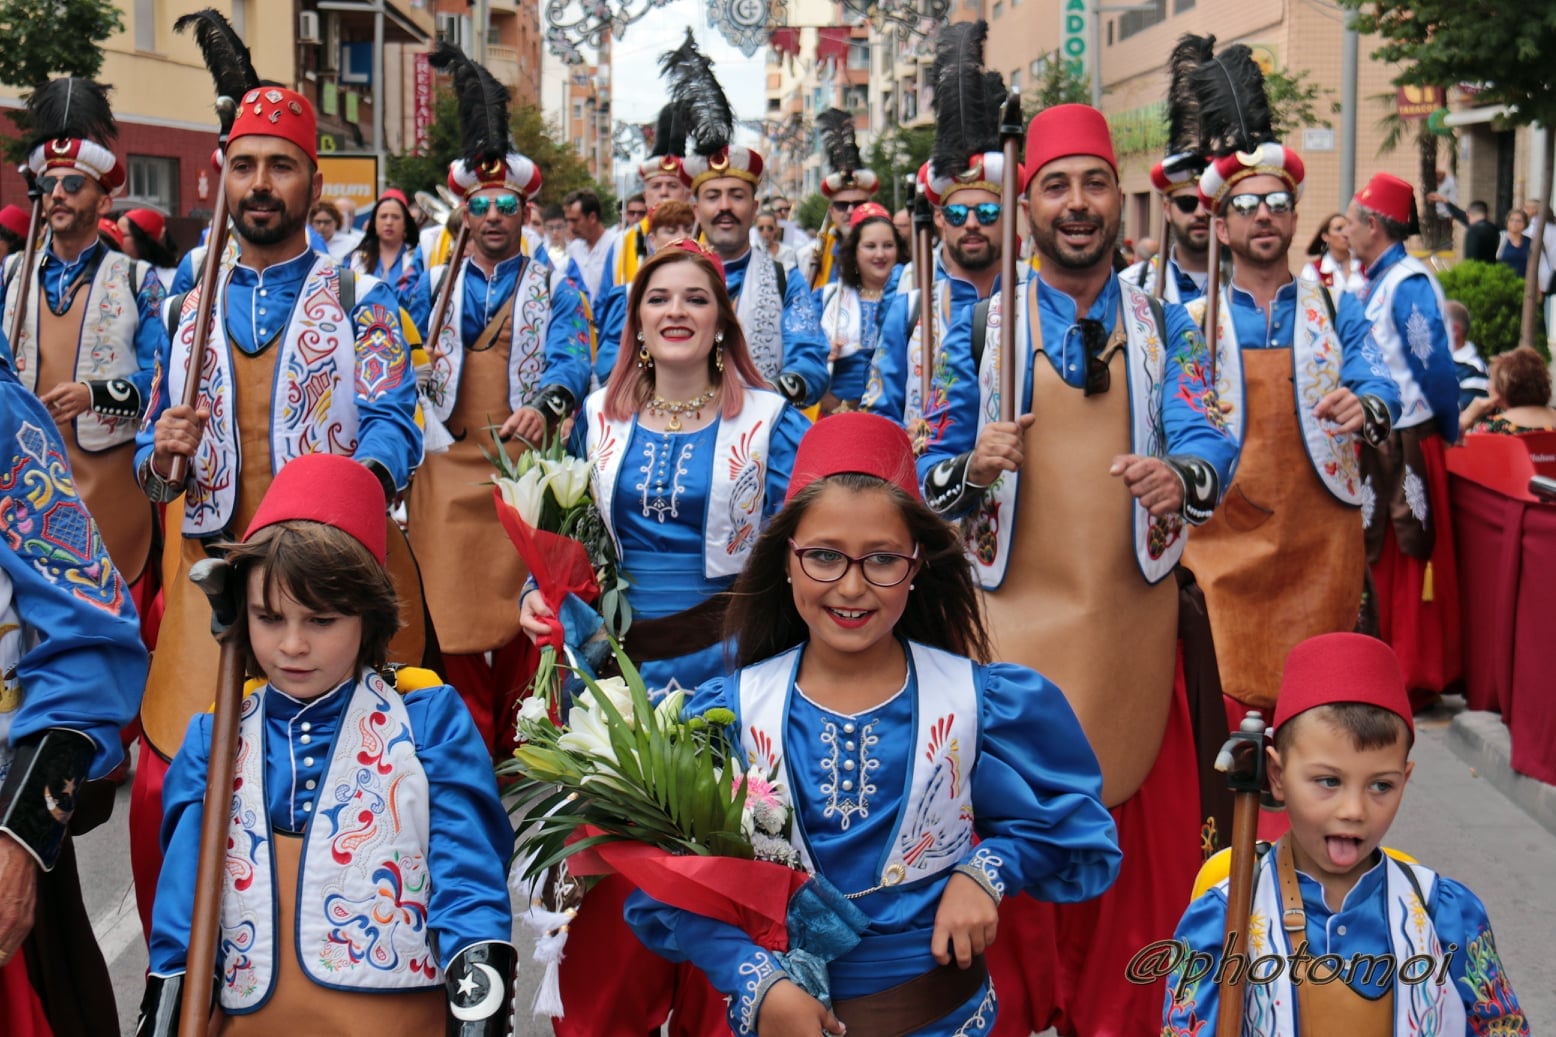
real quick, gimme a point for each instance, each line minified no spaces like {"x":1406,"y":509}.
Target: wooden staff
{"x":24,"y":272}
{"x":1010,"y":143}
{"x":215,"y":577}
{"x":446,"y":289}
{"x":1242,"y":761}
{"x":924,"y":274}
{"x":1213,"y":297}
{"x":1163,"y":252}
{"x":215,"y":246}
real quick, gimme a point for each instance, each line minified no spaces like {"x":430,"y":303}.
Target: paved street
{"x":1451,"y":820}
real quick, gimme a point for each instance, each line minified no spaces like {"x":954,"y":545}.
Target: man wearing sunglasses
{"x":1304,"y":386}
{"x":1188,"y":267}
{"x":511,"y":360}
{"x":846,"y":188}
{"x":1409,"y":541}
{"x":306,"y":356}
{"x":85,"y":353}
{"x":1074,"y":516}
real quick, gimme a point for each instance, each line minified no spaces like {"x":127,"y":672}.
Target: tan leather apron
{"x":1282,"y":559}
{"x":105,"y":479}
{"x":1325,"y":1009}
{"x":183,"y":667}
{"x":1074,"y":605}
{"x":472,"y":574}
{"x":299,"y":1006}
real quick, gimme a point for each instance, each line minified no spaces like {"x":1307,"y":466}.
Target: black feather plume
{"x":838,"y":142}
{"x":670,"y":133}
{"x":1183,"y":129}
{"x":70,"y":107}
{"x":698,"y":97}
{"x":1234,"y":113}
{"x":225,"y":53}
{"x":483,"y":106}
{"x":967,"y":99}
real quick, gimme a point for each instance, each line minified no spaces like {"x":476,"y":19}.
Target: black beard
{"x":991,"y":255}
{"x":283,"y":228}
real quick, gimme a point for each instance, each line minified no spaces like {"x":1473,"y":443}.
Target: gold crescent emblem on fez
{"x":1249,"y":158}
{"x":273,"y":96}
{"x":667,"y":164}
{"x":719,"y":161}
{"x":60,"y":145}
{"x":492,"y":167}
{"x":294,"y":107}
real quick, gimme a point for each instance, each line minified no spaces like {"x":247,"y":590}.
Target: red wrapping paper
{"x":559,"y":565}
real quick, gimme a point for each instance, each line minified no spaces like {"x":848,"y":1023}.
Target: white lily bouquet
{"x":628,"y":786}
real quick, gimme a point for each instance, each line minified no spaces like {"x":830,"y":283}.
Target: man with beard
{"x":510,"y":362}
{"x":1405,"y":481}
{"x":1074,"y":516}
{"x":82,"y":349}
{"x":304,"y":357}
{"x":1189,"y":265}
{"x":1302,"y":383}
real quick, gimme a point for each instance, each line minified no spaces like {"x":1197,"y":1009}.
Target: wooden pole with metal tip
{"x":924,"y":274}
{"x":29,"y":252}
{"x":1011,"y":133}
{"x":1242,"y":761}
{"x":446,"y":289}
{"x":1213,"y":297}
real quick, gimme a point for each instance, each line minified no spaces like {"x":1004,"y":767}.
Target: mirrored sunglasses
{"x":1278,"y":202}
{"x":507,"y":205}
{"x":988,"y":213}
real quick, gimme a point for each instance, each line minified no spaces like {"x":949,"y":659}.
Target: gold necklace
{"x":659,"y":406}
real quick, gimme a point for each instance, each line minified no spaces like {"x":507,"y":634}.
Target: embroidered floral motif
{"x":1369,"y":502}
{"x":1415,"y":495}
{"x":761,"y":972}
{"x":848,"y":787}
{"x":1493,"y":1009}
{"x":1418,"y":335}
{"x":982,"y":1019}
{"x":748,"y":470}
{"x":380,"y":352}
{"x":656,"y":460}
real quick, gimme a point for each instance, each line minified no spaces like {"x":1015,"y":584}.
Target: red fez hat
{"x":331,"y":489}
{"x":856,"y":442}
{"x":1335,"y":668}
{"x":15,"y":219}
{"x":397,"y":194}
{"x":1387,"y":194}
{"x":866,"y":211}
{"x":110,"y":228}
{"x":275,"y":111}
{"x":149,"y":220}
{"x":1062,"y":131}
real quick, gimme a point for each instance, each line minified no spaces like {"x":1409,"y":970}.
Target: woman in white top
{"x":1333,"y":266}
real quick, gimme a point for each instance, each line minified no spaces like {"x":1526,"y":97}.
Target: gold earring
{"x":718,"y":359}
{"x":645,"y":359}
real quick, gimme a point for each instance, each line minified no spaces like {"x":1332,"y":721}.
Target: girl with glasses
{"x":861,"y":687}
{"x":852,"y":308}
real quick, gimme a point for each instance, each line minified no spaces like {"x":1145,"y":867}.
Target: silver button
{"x":1340,"y":930}
{"x":307,"y":807}
{"x":307,"y":726}
{"x":264,"y":331}
{"x":310,"y":784}
{"x":263,"y":292}
{"x":848,"y":786}
{"x":849,"y":745}
{"x":307,"y":761}
{"x":848,"y":728}
{"x":263,"y":311}
{"x":1072,"y":366}
{"x":305,"y":739}
{"x":848,"y":765}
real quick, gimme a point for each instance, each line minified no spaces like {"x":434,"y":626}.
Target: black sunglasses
{"x":1278,"y":202}
{"x":1094,"y":338}
{"x":71,"y":183}
{"x":988,"y":213}
{"x":1188,"y":204}
{"x":848,"y":206}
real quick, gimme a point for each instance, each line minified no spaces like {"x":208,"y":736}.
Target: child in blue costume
{"x":855,"y":617}
{"x":365,"y":886}
{"x":1326,"y":894}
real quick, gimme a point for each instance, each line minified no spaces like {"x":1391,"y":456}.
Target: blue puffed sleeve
{"x":184,"y":276}
{"x":1476,"y":971}
{"x":790,"y":428}
{"x":805,"y":348}
{"x":610,"y":317}
{"x":83,"y":666}
{"x":469,"y":837}
{"x":568,"y":338}
{"x":885,"y":390}
{"x":1037,"y":794}
{"x":1362,"y":367}
{"x":1429,"y":352}
{"x":183,"y":798}
{"x":1193,"y":428}
{"x":418,"y":300}
{"x":1189,"y":1006}
{"x":385,"y":386}
{"x":150,"y":332}
{"x":952,"y":413}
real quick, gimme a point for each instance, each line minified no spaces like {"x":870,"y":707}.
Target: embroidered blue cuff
{"x":983,"y":867}
{"x":758,"y":974}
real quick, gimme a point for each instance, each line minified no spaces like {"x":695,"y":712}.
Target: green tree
{"x":1494,"y":296}
{"x":811,"y":212}
{"x":895,"y":157}
{"x":1059,"y":83}
{"x":1295,"y":100}
{"x":561,"y":168}
{"x":48,"y":37}
{"x":1505,"y":49}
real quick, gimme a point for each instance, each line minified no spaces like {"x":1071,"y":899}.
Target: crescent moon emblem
{"x":488,"y":1005}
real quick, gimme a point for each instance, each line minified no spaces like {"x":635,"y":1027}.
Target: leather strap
{"x":1293,"y":914}
{"x":913,"y":1005}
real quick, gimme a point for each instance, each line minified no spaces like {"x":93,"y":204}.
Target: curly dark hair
{"x":848,"y":252}
{"x":942,"y":611}
{"x":322,"y":568}
{"x":1521,"y":378}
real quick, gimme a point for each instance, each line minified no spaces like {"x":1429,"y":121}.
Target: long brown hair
{"x":942,"y":607}
{"x":629,"y":386}
{"x":848,"y":253}
{"x":321,"y":568}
